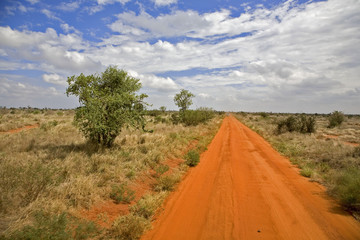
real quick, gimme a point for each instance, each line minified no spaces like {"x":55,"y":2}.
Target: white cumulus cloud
{"x":55,"y":79}
{"x":164,"y":2}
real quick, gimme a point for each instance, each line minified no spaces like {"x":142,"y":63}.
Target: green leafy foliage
{"x":192,"y":158}
{"x":302,"y":124}
{"x":347,"y":188}
{"x":122,"y":194}
{"x":161,"y":169}
{"x":335,"y":119}
{"x":183,"y":99}
{"x":55,"y":227}
{"x":195,"y":117}
{"x":108,"y":103}
{"x":162,"y":109}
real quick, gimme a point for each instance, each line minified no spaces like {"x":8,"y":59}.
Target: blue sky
{"x":279,"y":56}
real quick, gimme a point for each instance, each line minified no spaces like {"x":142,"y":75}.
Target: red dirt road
{"x":244,"y":189}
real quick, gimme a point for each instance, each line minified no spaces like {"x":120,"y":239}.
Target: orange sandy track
{"x":22,"y":128}
{"x":244,"y":189}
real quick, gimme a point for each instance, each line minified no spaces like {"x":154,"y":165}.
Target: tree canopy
{"x":108,"y":102}
{"x":183,"y":99}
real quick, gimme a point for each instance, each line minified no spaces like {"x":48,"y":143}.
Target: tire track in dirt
{"x":244,"y":189}
{"x":27,"y":127}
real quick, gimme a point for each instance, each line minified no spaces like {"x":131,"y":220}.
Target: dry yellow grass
{"x":53,"y":169}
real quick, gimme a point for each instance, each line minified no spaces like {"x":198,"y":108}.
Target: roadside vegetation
{"x":325,"y":148}
{"x":97,"y":171}
{"x":55,"y":184}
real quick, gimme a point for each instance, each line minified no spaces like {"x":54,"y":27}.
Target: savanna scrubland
{"x":56,"y":184}
{"x":328,"y":153}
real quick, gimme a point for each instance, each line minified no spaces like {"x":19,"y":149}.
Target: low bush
{"x":167,"y":183}
{"x":49,"y":125}
{"x":195,"y":117}
{"x":55,"y":227}
{"x":335,"y":119}
{"x":122,"y":194}
{"x":129,"y":227}
{"x":306,"y":171}
{"x":264,"y":115}
{"x":175,"y":118}
{"x":161,"y":169}
{"x":347,"y":188}
{"x":147,"y":205}
{"x":302,"y":124}
{"x":192,"y":158}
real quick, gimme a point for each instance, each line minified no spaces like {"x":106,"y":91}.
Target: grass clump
{"x":147,"y":205}
{"x":122,"y":194}
{"x":167,"y":183}
{"x":306,"y":171}
{"x":55,"y":227}
{"x":161,"y":169}
{"x":192,"y":158}
{"x":347,"y":188}
{"x":129,"y":227}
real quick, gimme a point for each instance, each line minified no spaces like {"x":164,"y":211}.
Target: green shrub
{"x":49,"y":125}
{"x":347,"y":188}
{"x":158,"y":119}
{"x":122,"y":194}
{"x":161,"y":169}
{"x":55,"y":227}
{"x":264,"y":115}
{"x":109,"y":102}
{"x":302,"y":124}
{"x":192,"y":158}
{"x":306,"y":171}
{"x":195,"y":117}
{"x":175,"y":118}
{"x":356,"y":152}
{"x":335,"y":119}
{"x":307,"y":124}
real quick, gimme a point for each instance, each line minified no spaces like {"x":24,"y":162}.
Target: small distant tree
{"x":335,"y":119}
{"x":109,"y":102}
{"x":163,"y":109}
{"x":183,"y":99}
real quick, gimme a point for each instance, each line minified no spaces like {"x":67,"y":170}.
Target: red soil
{"x":21,"y":129}
{"x":244,"y":189}
{"x":105,"y":213}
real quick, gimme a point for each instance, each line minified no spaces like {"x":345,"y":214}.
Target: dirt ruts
{"x":244,"y":189}
{"x":21,"y":129}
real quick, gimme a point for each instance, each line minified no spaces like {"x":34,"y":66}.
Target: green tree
{"x":108,"y":102}
{"x":183,"y":99}
{"x":335,"y":119}
{"x":162,"y":109}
